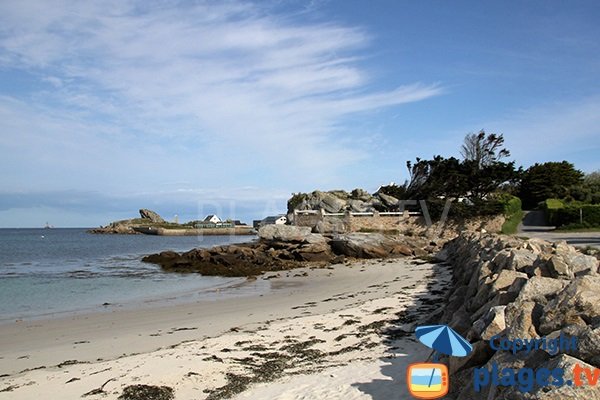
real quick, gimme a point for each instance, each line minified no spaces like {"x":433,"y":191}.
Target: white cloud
{"x":220,"y":94}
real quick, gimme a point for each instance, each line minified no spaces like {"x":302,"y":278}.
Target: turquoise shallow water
{"x":48,"y":272}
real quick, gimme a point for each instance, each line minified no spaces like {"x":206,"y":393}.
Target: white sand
{"x":312,"y":337}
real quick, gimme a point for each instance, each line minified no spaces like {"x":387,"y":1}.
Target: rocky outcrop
{"x":282,"y":247}
{"x":128,"y":226}
{"x":512,"y":288}
{"x":336,"y":201}
{"x":151,"y":216}
{"x":124,"y":227}
{"x":376,"y":245}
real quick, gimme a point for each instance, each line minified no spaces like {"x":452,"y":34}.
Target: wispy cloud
{"x":247,"y":87}
{"x":127,"y":95}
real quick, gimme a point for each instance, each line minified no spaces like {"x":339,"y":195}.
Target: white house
{"x":274,"y":220}
{"x":213,"y":219}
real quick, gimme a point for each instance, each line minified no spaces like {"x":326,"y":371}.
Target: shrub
{"x":295,"y":201}
{"x":512,"y":211}
{"x":550,"y":207}
{"x":570,"y":216}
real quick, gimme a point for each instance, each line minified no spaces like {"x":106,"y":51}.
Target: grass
{"x":512,"y":222}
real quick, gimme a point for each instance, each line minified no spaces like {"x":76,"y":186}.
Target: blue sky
{"x":193,"y":107}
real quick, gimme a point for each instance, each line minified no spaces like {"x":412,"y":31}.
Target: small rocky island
{"x":151,"y":223}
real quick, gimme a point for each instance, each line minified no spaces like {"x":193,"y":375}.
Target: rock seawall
{"x":505,"y":287}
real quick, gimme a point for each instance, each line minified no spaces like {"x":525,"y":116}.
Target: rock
{"x":480,"y":355}
{"x":388,"y":201}
{"x":419,"y":252}
{"x":314,"y":252}
{"x":496,"y":284}
{"x":315,"y":238}
{"x":504,"y":360}
{"x":165,"y":257}
{"x":582,"y":264}
{"x":558,"y":268}
{"x":362,"y":245}
{"x":521,"y":319}
{"x":151,"y":215}
{"x":491,"y":324}
{"x":539,"y":267}
{"x":578,"y":303}
{"x":359,"y":206}
{"x":540,"y":289}
{"x":461,"y":321}
{"x":514,"y":259}
{"x":538,"y":246}
{"x":362,"y":195}
{"x":284,"y":233}
{"x":455,"y":302}
{"x":566,"y":392}
{"x":330,"y":203}
{"x":501,"y":299}
{"x":124,"y":227}
{"x":508,"y":279}
{"x":402,"y":249}
{"x":588,"y":342}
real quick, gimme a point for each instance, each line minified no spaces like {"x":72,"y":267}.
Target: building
{"x":274,"y":220}
{"x":211,"y":218}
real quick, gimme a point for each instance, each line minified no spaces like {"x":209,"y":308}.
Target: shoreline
{"x":42,"y":355}
{"x":235,"y":288}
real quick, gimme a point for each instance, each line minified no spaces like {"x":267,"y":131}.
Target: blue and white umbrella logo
{"x":443,"y":339}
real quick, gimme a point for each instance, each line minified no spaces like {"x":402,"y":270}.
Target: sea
{"x":46,"y":273}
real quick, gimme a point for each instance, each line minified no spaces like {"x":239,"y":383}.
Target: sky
{"x":228,"y":107}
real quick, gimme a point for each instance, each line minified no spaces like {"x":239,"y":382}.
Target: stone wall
{"x":306,"y":219}
{"x":405,"y":224}
{"x":376,"y":222}
{"x":511,"y":288}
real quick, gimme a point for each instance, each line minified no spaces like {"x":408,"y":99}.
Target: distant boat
{"x":48,"y":226}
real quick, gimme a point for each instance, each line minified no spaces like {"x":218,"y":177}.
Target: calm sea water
{"x":48,"y":272}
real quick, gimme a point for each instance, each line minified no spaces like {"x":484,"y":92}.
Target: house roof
{"x":209,"y":217}
{"x":272,"y":218}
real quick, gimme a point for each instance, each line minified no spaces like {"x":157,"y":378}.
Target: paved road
{"x":534,"y":225}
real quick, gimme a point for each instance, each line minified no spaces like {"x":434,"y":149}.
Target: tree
{"x":439,"y":177}
{"x":592,"y":180}
{"x":592,"y":183}
{"x":548,"y":180}
{"x":480,"y":173}
{"x":484,"y":150}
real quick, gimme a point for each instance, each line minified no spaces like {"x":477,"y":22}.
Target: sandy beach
{"x":336,"y":332}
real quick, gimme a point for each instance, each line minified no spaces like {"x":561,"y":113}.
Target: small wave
{"x":82,"y":274}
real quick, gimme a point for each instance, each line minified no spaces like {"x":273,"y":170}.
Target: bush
{"x":511,"y":204}
{"x":550,"y":207}
{"x":569,"y":216}
{"x":512,"y":211}
{"x":499,"y":204}
{"x":295,"y":201}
